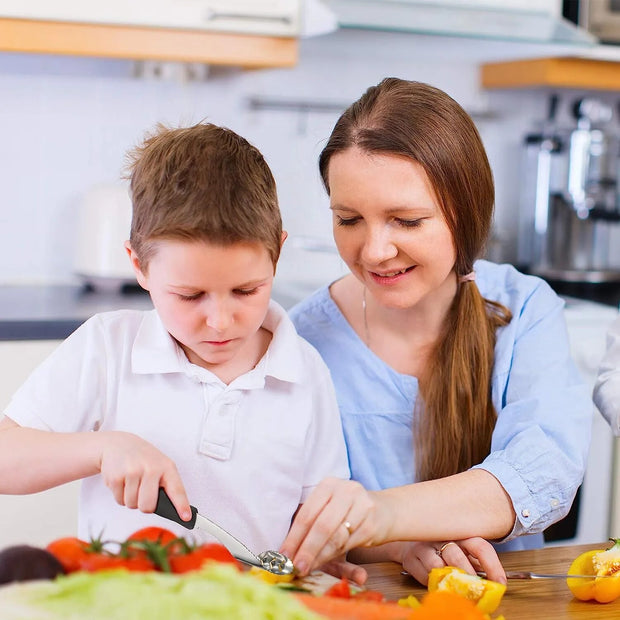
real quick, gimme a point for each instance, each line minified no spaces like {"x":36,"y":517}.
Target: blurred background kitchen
{"x":81,"y":83}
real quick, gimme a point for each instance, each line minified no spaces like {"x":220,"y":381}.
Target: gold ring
{"x":441,"y":549}
{"x":347,"y":524}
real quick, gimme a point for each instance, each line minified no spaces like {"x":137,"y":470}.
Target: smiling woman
{"x":464,"y":416}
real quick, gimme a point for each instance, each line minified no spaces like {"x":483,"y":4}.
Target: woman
{"x":454,"y":379}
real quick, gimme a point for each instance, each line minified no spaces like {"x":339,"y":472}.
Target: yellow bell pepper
{"x":269,"y":577}
{"x":486,"y":594}
{"x":598,"y":563}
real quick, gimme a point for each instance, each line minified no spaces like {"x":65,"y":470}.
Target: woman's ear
{"x":135,"y":264}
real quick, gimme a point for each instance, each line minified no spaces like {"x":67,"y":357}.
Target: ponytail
{"x":455,"y":417}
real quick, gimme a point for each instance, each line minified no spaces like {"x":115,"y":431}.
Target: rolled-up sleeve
{"x":544,"y":415}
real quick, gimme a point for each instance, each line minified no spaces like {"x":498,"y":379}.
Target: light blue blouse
{"x":540,"y":442}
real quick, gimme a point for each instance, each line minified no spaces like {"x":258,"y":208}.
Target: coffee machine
{"x":569,"y":208}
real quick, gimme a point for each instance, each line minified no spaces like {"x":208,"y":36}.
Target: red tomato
{"x":154,"y":534}
{"x":70,"y":552}
{"x":340,"y":589}
{"x":369,"y":595}
{"x":103,"y":561}
{"x":195,"y":558}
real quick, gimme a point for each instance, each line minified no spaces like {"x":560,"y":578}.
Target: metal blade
{"x":511,"y":574}
{"x":236,"y":547}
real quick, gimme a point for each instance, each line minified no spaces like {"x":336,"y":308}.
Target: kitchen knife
{"x":271,"y":561}
{"x":526,"y":574}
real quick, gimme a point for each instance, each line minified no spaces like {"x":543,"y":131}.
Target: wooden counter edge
{"x":146,"y":43}
{"x":558,"y":72}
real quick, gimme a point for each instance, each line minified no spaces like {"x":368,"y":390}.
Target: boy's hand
{"x":133,"y":469}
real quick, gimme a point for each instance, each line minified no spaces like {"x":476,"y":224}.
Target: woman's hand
{"x":337,"y":516}
{"x":471,"y":554}
{"x":133,"y":469}
{"x":340,"y":568}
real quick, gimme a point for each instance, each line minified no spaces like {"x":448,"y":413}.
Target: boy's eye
{"x":193,"y":297}
{"x":246,"y":291}
{"x":346,"y":221}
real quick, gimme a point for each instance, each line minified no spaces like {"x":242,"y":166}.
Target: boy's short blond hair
{"x":201,"y":183}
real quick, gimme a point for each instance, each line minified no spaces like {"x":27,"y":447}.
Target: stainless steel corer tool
{"x":271,"y":561}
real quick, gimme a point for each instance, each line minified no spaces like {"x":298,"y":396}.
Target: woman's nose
{"x":379,"y":246}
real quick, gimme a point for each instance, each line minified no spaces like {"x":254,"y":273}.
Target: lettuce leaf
{"x":217,"y":591}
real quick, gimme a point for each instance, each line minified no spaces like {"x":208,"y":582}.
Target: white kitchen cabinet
{"x":264,"y":17}
{"x":39,"y":518}
{"x":524,"y":20}
{"x":246,"y":33}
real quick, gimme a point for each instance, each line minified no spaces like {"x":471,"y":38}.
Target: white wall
{"x":67,"y":122}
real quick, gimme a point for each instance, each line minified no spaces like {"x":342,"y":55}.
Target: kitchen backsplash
{"x":66,"y":124}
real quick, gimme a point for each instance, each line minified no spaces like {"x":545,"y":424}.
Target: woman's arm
{"x":607,"y":388}
{"x":465,"y":505}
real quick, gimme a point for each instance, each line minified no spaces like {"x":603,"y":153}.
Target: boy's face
{"x":212,"y":299}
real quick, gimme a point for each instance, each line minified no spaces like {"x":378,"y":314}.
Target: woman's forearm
{"x":472,"y":503}
{"x":33,"y":460}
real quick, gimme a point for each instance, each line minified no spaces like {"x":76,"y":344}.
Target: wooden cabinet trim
{"x":555,"y":72}
{"x":144,"y":43}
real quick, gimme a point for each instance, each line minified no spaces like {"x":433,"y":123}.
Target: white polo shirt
{"x":248,"y":453}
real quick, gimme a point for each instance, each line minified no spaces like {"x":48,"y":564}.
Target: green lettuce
{"x":217,"y":591}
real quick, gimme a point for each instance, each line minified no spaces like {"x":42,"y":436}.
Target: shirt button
{"x":555,"y":502}
{"x":525,"y":513}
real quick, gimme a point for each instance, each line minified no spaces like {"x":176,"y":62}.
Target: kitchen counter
{"x":547,"y":599}
{"x":54,"y":312}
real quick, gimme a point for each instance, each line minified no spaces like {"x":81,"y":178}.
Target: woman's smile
{"x":390,"y":277}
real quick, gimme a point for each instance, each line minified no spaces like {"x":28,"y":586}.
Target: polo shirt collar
{"x":156,"y":352}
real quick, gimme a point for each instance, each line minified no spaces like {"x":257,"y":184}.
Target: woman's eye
{"x":409,"y":223}
{"x":346,"y":221}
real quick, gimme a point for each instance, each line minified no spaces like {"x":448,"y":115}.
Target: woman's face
{"x":389,"y":228}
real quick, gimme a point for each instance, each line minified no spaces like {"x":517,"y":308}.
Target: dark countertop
{"x":54,"y":312}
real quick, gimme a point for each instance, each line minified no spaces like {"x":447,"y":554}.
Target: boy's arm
{"x":33,"y":460}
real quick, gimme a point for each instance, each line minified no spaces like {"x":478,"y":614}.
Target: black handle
{"x":166,"y":509}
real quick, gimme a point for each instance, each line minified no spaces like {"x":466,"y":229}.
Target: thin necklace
{"x":367,"y":332}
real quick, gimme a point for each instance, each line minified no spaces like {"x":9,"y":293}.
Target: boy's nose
{"x":217,"y":316}
{"x":378,"y":246}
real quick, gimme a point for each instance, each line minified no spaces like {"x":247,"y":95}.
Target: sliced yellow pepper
{"x":601,"y":564}
{"x":269,"y":577}
{"x":486,"y":594}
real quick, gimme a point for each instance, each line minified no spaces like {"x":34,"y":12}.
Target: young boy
{"x":212,"y":394}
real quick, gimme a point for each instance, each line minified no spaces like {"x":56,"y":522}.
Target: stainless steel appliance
{"x":600,"y":17}
{"x":569,"y":205}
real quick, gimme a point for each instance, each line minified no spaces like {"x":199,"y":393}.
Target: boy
{"x":212,"y":394}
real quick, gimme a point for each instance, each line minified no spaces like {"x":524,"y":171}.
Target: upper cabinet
{"x":538,"y":21}
{"x":251,"y":33}
{"x":569,"y":72}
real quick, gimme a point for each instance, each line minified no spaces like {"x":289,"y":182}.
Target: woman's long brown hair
{"x":455,"y":417}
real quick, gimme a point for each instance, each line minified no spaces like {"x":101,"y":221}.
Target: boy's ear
{"x":135,"y":263}
{"x":284,"y":236}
